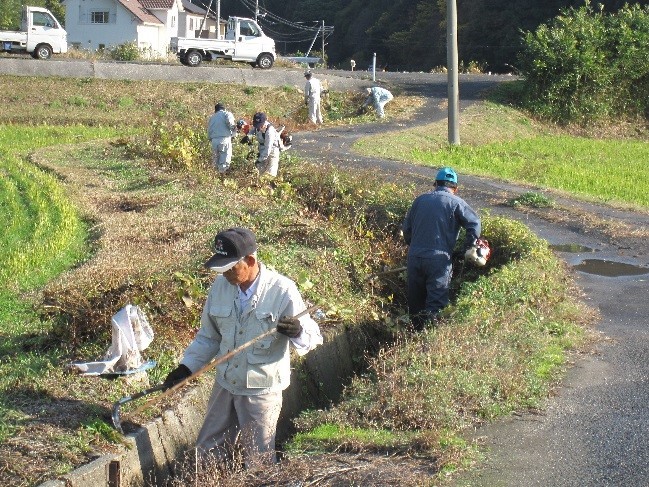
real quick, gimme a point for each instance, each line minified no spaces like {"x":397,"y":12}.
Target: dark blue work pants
{"x":428,"y":286}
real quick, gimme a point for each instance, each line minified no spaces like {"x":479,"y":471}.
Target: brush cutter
{"x":386,"y":272}
{"x":117,"y":422}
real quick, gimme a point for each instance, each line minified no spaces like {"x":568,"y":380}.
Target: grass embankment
{"x":154,"y":195}
{"x":501,"y":347}
{"x":499,"y":141}
{"x":168,"y":207}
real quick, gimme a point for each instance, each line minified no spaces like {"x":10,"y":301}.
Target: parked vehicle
{"x":244,"y":41}
{"x":40,"y":35}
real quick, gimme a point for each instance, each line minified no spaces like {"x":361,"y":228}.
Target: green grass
{"x":603,"y":170}
{"x":508,"y":145}
{"x":507,"y":334}
{"x":42,"y":236}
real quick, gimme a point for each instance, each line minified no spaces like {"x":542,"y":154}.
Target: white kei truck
{"x":244,"y":41}
{"x":40,"y":35}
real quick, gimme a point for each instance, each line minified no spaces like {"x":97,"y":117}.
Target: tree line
{"x":406,"y":35}
{"x":410,"y":34}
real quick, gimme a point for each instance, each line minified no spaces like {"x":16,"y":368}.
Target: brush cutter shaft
{"x":389,"y":271}
{"x":202,"y":370}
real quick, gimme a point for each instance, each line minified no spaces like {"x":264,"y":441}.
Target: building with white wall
{"x":105,"y":24}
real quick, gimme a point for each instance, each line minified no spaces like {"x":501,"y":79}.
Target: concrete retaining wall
{"x":244,"y":75}
{"x":153,"y":452}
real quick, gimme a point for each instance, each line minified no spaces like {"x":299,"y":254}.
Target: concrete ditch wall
{"x":152,"y":453}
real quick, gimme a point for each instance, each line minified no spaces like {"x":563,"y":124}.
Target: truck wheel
{"x":193,"y":58}
{"x":42,"y":51}
{"x":265,"y":61}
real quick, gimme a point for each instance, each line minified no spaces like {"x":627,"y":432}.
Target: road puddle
{"x":572,"y":248}
{"x":609,"y":268}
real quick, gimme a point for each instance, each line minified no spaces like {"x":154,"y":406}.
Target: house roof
{"x":157,"y":4}
{"x":192,"y":8}
{"x":137,"y":8}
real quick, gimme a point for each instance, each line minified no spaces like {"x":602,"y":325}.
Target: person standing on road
{"x":220,"y":130}
{"x":378,"y":97}
{"x":312,"y":92}
{"x":246,"y":300}
{"x":269,"y":145}
{"x":431,"y":229}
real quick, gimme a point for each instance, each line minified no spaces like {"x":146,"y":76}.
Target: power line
{"x":266,"y":13}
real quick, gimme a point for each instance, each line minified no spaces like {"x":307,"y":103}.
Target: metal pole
{"x":374,"y":67}
{"x":323,"y":43}
{"x":312,"y":42}
{"x":256,"y":9}
{"x":453,"y":79}
{"x":218,"y":19}
{"x":205,"y":19}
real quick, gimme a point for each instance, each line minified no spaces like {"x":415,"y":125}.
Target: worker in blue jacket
{"x":431,"y":229}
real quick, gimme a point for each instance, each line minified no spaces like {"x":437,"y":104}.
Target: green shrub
{"x":127,"y":51}
{"x":586,"y":65}
{"x":175,"y":145}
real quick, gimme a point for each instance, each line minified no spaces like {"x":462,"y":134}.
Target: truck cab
{"x":40,"y":34}
{"x":44,"y":30}
{"x":244,"y":41}
{"x":249,"y":39}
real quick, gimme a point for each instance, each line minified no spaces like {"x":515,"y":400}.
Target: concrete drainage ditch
{"x":152,"y":450}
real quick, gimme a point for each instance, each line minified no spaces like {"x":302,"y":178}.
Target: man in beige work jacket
{"x":246,"y":300}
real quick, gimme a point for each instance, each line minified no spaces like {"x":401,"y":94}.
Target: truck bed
{"x":13,"y":36}
{"x":218,"y":45}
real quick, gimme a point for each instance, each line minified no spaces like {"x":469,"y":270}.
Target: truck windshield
{"x":248,"y":29}
{"x":43,"y":20}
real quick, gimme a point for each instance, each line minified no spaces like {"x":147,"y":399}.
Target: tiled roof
{"x":192,"y":8}
{"x":140,"y":11}
{"x":157,"y":4}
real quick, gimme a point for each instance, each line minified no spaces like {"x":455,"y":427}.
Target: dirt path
{"x":593,"y":431}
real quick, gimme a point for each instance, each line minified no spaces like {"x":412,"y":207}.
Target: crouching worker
{"x":377,"y":97}
{"x":246,"y":300}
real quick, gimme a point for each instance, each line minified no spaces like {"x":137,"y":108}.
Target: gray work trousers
{"x":250,"y":420}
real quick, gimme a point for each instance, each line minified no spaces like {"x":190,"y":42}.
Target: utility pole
{"x":218,"y":19}
{"x":323,"y":44}
{"x":452,"y":70}
{"x":256,"y":9}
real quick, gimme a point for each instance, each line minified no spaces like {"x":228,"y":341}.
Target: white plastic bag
{"x":131,"y":335}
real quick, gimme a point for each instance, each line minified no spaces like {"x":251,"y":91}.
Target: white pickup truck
{"x":40,"y":35}
{"x":244,"y":41}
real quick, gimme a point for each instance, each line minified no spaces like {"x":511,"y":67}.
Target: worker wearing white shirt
{"x":378,"y":97}
{"x":220,"y":130}
{"x":312,"y":92}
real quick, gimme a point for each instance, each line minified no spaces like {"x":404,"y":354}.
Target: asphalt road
{"x":593,"y":431}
